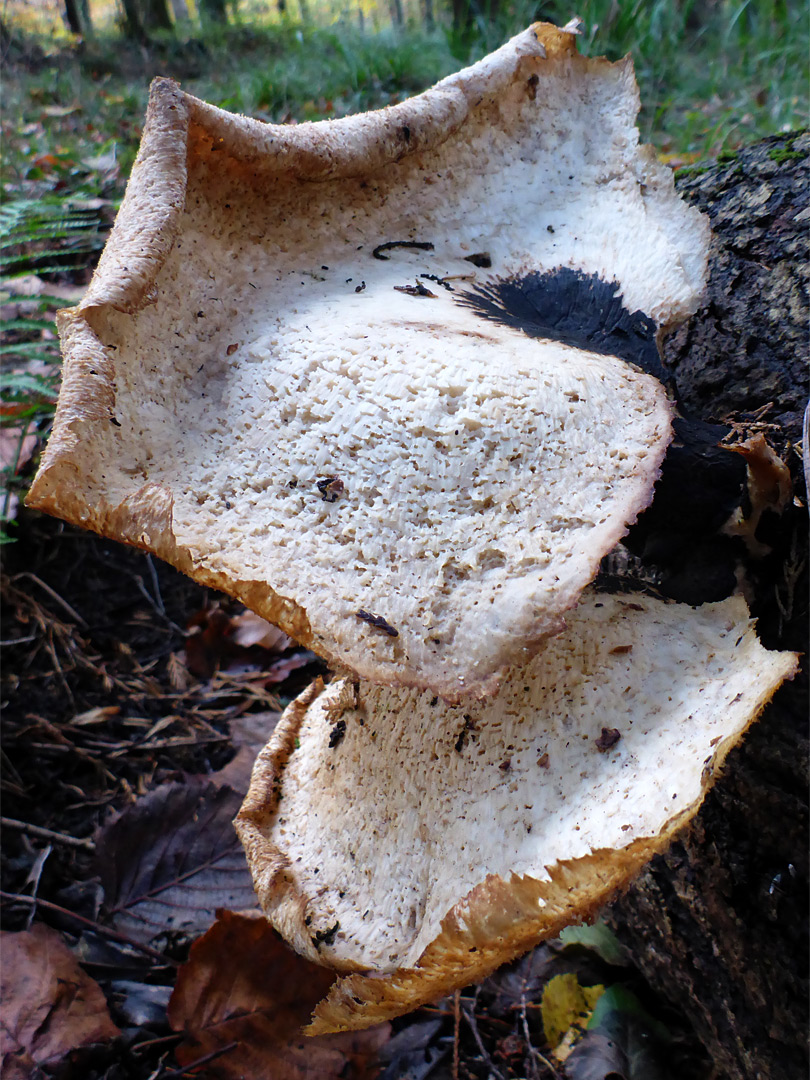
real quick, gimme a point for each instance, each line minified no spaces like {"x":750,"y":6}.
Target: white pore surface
{"x":388,"y":829}
{"x":484,"y":473}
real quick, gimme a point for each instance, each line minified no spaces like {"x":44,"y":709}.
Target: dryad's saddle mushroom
{"x":370,"y":375}
{"x":424,"y":844}
{"x":393,"y":381}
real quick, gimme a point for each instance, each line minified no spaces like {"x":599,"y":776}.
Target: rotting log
{"x":719,"y":924}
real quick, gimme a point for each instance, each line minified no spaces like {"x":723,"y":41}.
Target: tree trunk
{"x":719,"y":924}
{"x":213,"y":11}
{"x":156,"y":15}
{"x":73,"y":17}
{"x":180,"y":11}
{"x":133,"y":21}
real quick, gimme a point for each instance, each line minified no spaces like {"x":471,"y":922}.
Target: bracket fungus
{"x":433,"y":842}
{"x":397,"y":363}
{"x":394,"y":382}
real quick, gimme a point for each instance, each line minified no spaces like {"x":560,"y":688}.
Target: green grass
{"x":713,"y":74}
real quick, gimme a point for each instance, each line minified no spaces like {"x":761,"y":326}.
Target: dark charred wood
{"x":719,"y":924}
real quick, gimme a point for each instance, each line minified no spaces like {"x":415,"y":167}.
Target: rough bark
{"x":719,"y":924}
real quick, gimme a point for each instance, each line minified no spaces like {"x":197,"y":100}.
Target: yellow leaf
{"x":566,"y":1008}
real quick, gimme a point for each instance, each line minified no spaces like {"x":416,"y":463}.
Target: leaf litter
{"x":127,"y":737}
{"x":171,"y":859}
{"x":244,"y":996}
{"x":50,"y":1006}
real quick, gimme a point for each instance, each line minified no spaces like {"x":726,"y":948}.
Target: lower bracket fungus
{"x":433,"y":842}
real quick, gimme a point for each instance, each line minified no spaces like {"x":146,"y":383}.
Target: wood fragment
{"x":47,"y":834}
{"x":380,"y":248}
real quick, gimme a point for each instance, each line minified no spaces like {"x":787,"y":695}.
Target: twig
{"x":47,"y":834}
{"x":156,"y":601}
{"x":533,"y":1053}
{"x":158,"y":1042}
{"x":51,"y":650}
{"x":54,"y":595}
{"x":99,"y":929}
{"x":456,"y":1026}
{"x":469,"y":1016}
{"x":169,"y":744}
{"x":200,"y":1061}
{"x":34,"y":878}
{"x":155,"y":585}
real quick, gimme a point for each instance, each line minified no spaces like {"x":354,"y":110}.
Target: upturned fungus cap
{"x":415,"y":845}
{"x":386,"y":379}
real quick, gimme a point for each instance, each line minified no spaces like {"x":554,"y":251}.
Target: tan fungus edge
{"x":355,"y":145}
{"x":147,"y":222}
{"x":495,"y":922}
{"x":144,"y":519}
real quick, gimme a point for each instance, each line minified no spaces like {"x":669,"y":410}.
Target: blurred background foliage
{"x":713,"y":74}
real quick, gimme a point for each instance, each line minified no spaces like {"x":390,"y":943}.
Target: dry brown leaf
{"x":171,"y":859}
{"x":16,"y":449}
{"x":50,"y":1006}
{"x":248,"y":734}
{"x":250,"y":629}
{"x":218,"y":640}
{"x":243,"y":985}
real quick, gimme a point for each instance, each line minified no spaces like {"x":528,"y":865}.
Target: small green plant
{"x":41,"y":241}
{"x":48,"y":236}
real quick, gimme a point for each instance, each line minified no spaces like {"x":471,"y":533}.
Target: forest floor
{"x":134,"y":701}
{"x":134,"y":704}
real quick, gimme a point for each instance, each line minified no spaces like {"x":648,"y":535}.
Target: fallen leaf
{"x":57,"y":111}
{"x":678,"y":159}
{"x":16,"y":448}
{"x":285,"y":665}
{"x":141,"y":1004}
{"x":566,"y":1008}
{"x":50,"y":1006}
{"x":251,"y":629}
{"x":249,"y":734}
{"x":623,"y":1042}
{"x":596,"y":1057}
{"x":171,"y":859}
{"x":218,"y":640}
{"x":600,"y":939}
{"x":521,"y":980}
{"x":48,"y":161}
{"x":243,"y":986}
{"x":412,"y":1054}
